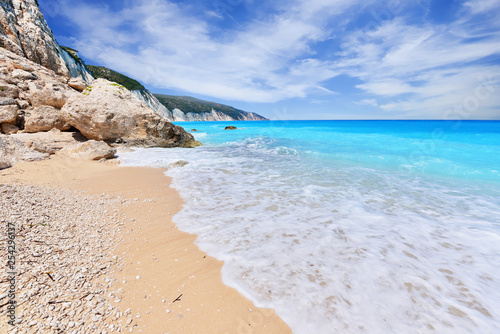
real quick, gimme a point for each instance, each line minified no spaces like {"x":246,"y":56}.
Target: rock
{"x":13,"y":150}
{"x":193,"y":130}
{"x":49,"y":142}
{"x":90,"y":150}
{"x":23,"y":75}
{"x":230,"y":127}
{"x":44,"y":118}
{"x":23,"y":104}
{"x":8,"y":114}
{"x":52,"y":94}
{"x":8,"y":90}
{"x":4,"y":164}
{"x":39,"y":147}
{"x":5,"y":101}
{"x":180,"y":163}
{"x":77,"y":83}
{"x":24,"y":66}
{"x":108,"y":111}
{"x":9,"y":129}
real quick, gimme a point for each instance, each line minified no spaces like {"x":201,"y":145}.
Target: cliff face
{"x":152,"y":102}
{"x":24,"y":31}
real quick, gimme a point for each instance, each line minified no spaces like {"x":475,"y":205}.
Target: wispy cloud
{"x":405,"y":66}
{"x":481,"y":6}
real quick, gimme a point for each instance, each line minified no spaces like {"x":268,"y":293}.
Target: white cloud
{"x":265,"y":61}
{"x":424,"y":73}
{"x":481,"y":6}
{"x":368,"y":102}
{"x":407,"y":68}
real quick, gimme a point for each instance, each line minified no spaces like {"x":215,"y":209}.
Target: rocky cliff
{"x":34,"y":99}
{"x":24,"y":31}
{"x":44,"y":89}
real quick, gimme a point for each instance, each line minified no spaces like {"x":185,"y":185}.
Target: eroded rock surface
{"x":108,"y":111}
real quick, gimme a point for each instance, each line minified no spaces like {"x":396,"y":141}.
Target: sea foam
{"x":342,"y":229}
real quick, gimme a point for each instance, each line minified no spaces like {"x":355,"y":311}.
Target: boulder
{"x":77,"y":83}
{"x":8,"y":113}
{"x":90,"y":150}
{"x":230,"y":128}
{"x":108,"y":111}
{"x":44,"y":118}
{"x":49,"y":142}
{"x":12,"y":150}
{"x":8,"y":128}
{"x":52,"y":94}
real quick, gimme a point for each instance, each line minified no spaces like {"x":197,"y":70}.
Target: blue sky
{"x":298,"y":59}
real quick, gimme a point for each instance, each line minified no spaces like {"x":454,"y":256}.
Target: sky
{"x":299,"y":59}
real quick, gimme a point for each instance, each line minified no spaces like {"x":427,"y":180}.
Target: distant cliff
{"x":187,"y":108}
{"x":24,"y":31}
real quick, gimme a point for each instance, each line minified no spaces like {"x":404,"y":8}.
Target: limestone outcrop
{"x":24,"y":31}
{"x":108,"y":111}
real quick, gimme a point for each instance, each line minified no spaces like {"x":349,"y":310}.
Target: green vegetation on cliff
{"x":73,"y":53}
{"x":189,"y":104}
{"x":106,"y":73}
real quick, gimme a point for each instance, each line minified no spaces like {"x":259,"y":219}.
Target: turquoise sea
{"x":349,"y":226}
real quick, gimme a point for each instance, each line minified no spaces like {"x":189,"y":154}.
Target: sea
{"x":348,"y":226}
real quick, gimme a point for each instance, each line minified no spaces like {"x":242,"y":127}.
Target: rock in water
{"x":90,"y":150}
{"x":108,"y":111}
{"x":230,"y":128}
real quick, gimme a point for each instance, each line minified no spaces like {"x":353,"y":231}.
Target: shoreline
{"x":167,"y":282}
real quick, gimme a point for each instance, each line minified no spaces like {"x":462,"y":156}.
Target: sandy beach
{"x":156,"y":279}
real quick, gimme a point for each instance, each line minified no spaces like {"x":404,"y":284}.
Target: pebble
{"x":73,"y":237}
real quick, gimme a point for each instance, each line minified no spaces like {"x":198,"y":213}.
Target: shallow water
{"x":349,"y":226}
